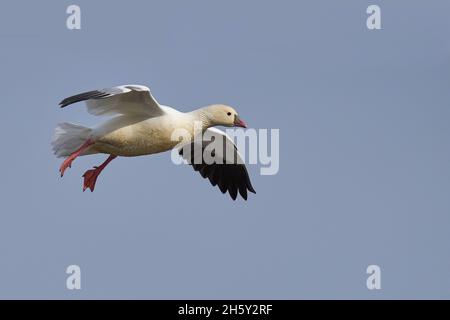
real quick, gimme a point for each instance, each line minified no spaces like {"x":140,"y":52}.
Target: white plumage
{"x":139,"y":125}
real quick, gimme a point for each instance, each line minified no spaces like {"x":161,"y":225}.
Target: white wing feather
{"x":126,"y":99}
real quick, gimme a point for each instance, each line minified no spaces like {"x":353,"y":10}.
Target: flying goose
{"x":139,"y":125}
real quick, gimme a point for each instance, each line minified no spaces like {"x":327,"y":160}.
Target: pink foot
{"x":68,"y":161}
{"x":90,"y":176}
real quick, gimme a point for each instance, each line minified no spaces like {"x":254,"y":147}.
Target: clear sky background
{"x":364,"y":140}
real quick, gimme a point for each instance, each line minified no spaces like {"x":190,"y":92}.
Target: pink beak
{"x":239,"y":123}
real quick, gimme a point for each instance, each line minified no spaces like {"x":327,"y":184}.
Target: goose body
{"x":130,"y":136}
{"x":139,"y":125}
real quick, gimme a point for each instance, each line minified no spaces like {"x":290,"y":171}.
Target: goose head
{"x":223,"y":115}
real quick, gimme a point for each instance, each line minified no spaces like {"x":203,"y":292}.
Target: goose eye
{"x":229,"y":113}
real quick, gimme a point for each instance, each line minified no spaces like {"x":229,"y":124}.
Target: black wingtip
{"x":232,"y":190}
{"x":95,"y":94}
{"x":229,"y":178}
{"x":249,"y":185}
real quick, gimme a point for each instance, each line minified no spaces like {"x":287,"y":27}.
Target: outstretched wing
{"x":127,"y":99}
{"x":221,"y":163}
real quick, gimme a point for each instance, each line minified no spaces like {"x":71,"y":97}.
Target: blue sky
{"x":364,"y":151}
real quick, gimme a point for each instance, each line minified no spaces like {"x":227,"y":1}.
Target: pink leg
{"x":90,"y":176}
{"x":68,"y":162}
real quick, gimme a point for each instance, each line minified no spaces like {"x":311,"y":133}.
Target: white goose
{"x":140,"y":126}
